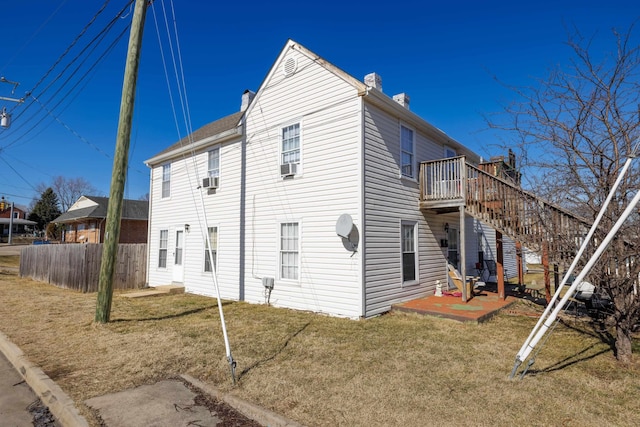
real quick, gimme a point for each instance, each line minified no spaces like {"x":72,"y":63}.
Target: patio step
{"x":157,"y":290}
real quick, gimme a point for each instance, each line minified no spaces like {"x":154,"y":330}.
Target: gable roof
{"x":93,"y":207}
{"x":229,"y":126}
{"x":218,"y":129}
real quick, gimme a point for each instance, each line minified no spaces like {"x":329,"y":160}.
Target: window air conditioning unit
{"x":210,"y":182}
{"x":288,"y":169}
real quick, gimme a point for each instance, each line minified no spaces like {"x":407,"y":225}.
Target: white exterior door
{"x":178,"y":256}
{"x":453,"y":254}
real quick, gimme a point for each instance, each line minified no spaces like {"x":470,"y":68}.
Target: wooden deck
{"x":447,"y":185}
{"x":484,"y":305}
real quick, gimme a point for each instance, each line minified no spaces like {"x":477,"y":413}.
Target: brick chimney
{"x":373,"y":80}
{"x":247,"y":97}
{"x":402,"y":99}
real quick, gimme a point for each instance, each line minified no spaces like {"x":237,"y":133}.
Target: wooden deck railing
{"x":449,"y":183}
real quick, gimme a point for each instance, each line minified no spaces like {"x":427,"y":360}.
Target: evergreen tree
{"x":46,"y":209}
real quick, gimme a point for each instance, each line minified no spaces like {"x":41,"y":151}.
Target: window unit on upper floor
{"x":290,"y":158}
{"x":212,"y":180}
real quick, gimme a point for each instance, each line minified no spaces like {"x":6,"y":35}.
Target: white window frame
{"x":407,"y":152}
{"x":409,"y":247}
{"x":213,"y":163}
{"x":166,"y":181}
{"x":289,"y":251}
{"x":291,"y":155}
{"x":163,"y":248}
{"x":214,"y":250}
{"x":449,"y":152}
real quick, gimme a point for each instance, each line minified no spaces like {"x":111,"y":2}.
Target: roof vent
{"x":290,"y":66}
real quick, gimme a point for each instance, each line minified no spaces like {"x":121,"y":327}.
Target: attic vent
{"x":289,"y":67}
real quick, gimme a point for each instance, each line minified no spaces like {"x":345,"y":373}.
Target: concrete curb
{"x":255,"y":412}
{"x":52,"y":396}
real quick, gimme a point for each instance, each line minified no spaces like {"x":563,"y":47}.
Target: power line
{"x":44,"y":24}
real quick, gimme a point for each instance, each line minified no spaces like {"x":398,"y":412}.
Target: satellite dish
{"x":344,"y":225}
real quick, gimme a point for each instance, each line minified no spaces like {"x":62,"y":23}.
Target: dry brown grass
{"x":12,"y":261}
{"x":393,"y":370}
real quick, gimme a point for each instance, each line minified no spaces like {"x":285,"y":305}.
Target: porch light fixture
{"x":186,"y":227}
{"x":446,"y":227}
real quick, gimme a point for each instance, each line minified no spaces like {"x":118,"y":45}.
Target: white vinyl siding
{"x":327,"y":110}
{"x":481,"y":237}
{"x":388,"y":201}
{"x":182,"y":208}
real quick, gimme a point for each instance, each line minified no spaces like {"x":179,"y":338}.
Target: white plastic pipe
{"x":585,"y":243}
{"x":214,"y":275}
{"x":581,"y":276}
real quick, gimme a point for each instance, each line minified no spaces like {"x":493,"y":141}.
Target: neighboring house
{"x":84,"y":222}
{"x":11,"y":215}
{"x":313,"y":189}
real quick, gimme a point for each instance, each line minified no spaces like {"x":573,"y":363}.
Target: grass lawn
{"x":393,"y":370}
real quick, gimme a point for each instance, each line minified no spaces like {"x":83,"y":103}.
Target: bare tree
{"x":69,"y":190}
{"x":574,"y":130}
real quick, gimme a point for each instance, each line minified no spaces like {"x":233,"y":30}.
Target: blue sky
{"x":445,"y":55}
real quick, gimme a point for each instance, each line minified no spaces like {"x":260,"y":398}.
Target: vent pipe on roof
{"x":402,"y":99}
{"x":373,"y":80}
{"x":247,"y":97}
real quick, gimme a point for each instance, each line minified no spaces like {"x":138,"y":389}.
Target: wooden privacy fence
{"x":77,"y":266}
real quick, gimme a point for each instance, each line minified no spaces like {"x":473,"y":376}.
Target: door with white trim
{"x":178,"y":256}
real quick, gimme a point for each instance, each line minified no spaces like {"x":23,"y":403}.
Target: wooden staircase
{"x":448,"y":184}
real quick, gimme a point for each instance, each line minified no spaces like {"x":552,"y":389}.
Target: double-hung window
{"x":289,"y":251}
{"x":213,"y":250}
{"x":409,"y":251}
{"x":213,"y":169}
{"x":166,"y":181}
{"x":162,"y":248}
{"x":407,"y":152}
{"x":290,"y":144}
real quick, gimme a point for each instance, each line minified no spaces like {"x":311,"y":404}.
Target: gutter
{"x":380,"y":100}
{"x":187,"y":148}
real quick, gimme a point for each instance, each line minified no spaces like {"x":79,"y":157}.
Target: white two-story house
{"x":309,"y":197}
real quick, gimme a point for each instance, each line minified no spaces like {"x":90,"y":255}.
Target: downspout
{"x":148,"y":267}
{"x":243,"y":211}
{"x":463,"y":246}
{"x":363,"y":226}
{"x":11,"y":225}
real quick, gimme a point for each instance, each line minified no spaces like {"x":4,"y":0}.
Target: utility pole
{"x":120,"y":162}
{"x":11,"y":225}
{"x":5,"y":117}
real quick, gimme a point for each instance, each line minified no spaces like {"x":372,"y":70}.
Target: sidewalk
{"x":173,"y":402}
{"x":16,"y":397}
